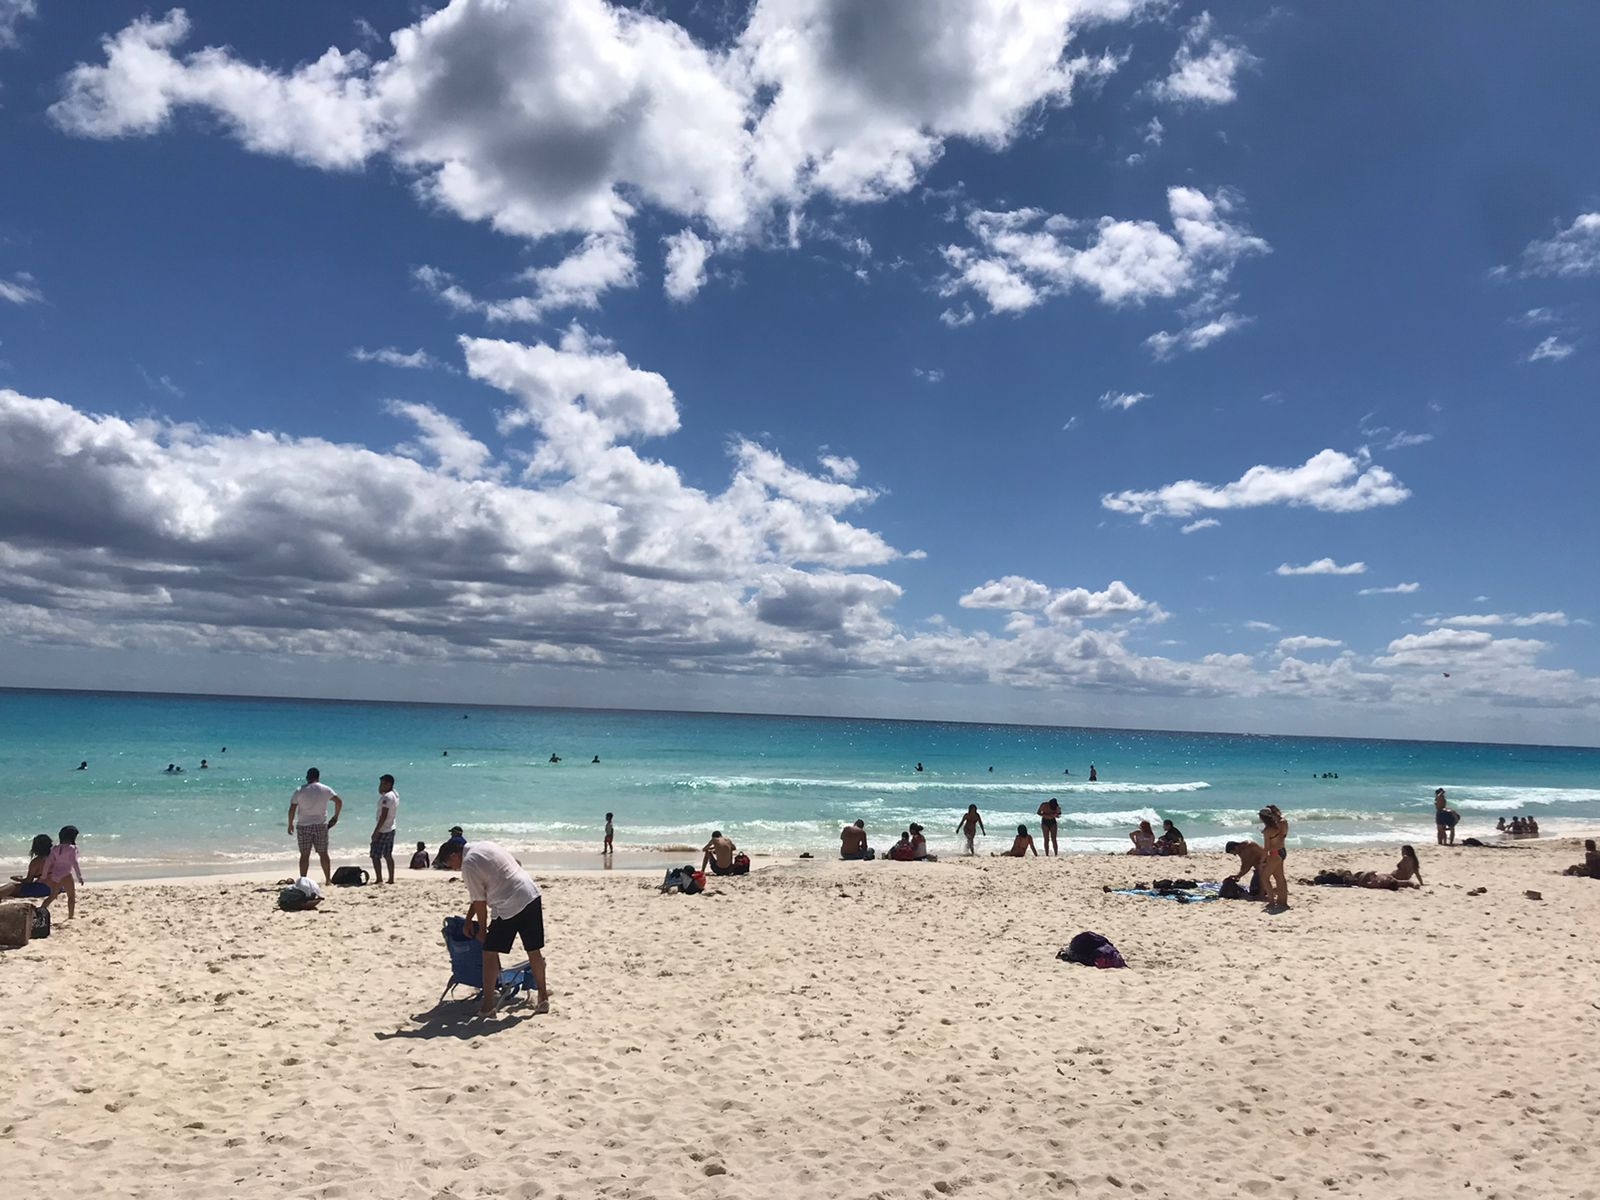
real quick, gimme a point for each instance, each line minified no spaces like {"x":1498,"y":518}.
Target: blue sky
{"x":1086,"y":361}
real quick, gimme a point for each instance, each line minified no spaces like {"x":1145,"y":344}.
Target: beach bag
{"x":1091,"y":950}
{"x":41,"y":923}
{"x":741,"y":864}
{"x":292,"y":899}
{"x":350,"y":877}
{"x":16,"y":923}
{"x":686,"y":879}
{"x":1231,"y":890}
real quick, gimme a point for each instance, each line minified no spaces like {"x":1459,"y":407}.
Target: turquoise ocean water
{"x":777,"y":785}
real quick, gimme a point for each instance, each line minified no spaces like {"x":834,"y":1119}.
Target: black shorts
{"x":737,"y":868}
{"x":529,"y":923}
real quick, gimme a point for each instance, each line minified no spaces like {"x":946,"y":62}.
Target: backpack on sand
{"x":41,"y":923}
{"x":1091,"y":950}
{"x":682,"y":878}
{"x":350,"y":877}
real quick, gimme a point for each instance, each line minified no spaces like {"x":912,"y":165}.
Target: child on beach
{"x":420,"y":860}
{"x":970,"y":826}
{"x":606,"y":848}
{"x":61,"y":866}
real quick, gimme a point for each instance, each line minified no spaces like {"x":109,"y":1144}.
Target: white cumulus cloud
{"x":1204,"y":67}
{"x":1551,"y":349}
{"x":1023,"y":257}
{"x":1574,"y":251}
{"x":20,"y":289}
{"x":686,"y":257}
{"x":410,"y":360}
{"x":1298,"y":645}
{"x":1122,"y":400}
{"x":1328,"y":481}
{"x":1399,"y":589}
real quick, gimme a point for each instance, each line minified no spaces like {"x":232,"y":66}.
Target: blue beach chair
{"x":466,"y":965}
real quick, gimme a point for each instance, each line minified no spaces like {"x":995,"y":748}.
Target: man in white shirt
{"x":383,"y":831}
{"x":309,"y":805}
{"x":498,"y":887}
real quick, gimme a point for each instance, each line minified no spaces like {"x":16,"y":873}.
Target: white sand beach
{"x":820,"y":1029}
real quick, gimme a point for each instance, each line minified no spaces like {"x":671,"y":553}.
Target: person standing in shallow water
{"x":970,"y":826}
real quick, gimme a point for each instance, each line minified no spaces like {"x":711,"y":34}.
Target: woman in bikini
{"x":1143,"y":839}
{"x":1049,"y":814}
{"x":1274,"y":831}
{"x":1406,"y":874}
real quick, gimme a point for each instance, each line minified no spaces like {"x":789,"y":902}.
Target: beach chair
{"x":466,"y":965}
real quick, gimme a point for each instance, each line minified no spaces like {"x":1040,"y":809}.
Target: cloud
{"x":1262,"y":626}
{"x":159,"y":383}
{"x":1399,"y":589}
{"x":687,"y":253}
{"x":1071,"y":604}
{"x":1195,"y":336}
{"x":1534,"y":318}
{"x":1403,"y":440}
{"x":1322,"y":566}
{"x":1154,"y":132}
{"x":20,"y":289}
{"x":1202,"y":523}
{"x":1297,"y":645}
{"x":1573,"y":252}
{"x":929,"y":374}
{"x":12,"y":14}
{"x":1025,"y":256}
{"x":1204,"y":67}
{"x":1458,"y":647}
{"x":389,"y":356}
{"x":443,"y":440}
{"x":1488,"y":620}
{"x":1551,"y":348}
{"x":569,"y":119}
{"x":1328,"y":481}
{"x":1122,"y":400}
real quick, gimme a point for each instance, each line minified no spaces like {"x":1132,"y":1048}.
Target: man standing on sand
{"x":310,"y":805}
{"x":970,"y":826}
{"x":382,"y":850}
{"x":498,"y":887}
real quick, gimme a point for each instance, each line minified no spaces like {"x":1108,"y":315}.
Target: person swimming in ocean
{"x":84,"y":765}
{"x":1094,"y":776}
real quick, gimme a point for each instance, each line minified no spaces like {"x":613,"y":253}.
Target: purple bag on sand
{"x":1091,"y":950}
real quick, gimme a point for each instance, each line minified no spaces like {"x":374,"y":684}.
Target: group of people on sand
{"x":1170,"y":841}
{"x":1265,"y":861}
{"x":52,"y":869}
{"x":310,"y":823}
{"x":1517,"y":827}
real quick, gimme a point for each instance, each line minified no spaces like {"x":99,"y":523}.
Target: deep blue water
{"x":774,"y":784}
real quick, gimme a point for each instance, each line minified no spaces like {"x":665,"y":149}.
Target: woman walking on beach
{"x":1274,"y":831}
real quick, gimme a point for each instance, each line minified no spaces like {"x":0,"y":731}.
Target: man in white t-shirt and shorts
{"x":308,"y":808}
{"x":383,"y":830}
{"x":498,"y":887}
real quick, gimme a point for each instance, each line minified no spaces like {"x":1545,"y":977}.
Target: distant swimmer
{"x":224,"y":749}
{"x":991,"y":770}
{"x":173,"y":769}
{"x":555,"y":758}
{"x":84,"y":765}
{"x":444,"y":754}
{"x":594,"y":760}
{"x":204,"y":765}
{"x":919,"y":766}
{"x":1094,"y":776}
{"x":1067,"y":771}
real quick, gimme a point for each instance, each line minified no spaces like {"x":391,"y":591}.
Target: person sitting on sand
{"x":420,"y":860}
{"x":1590,"y":866}
{"x":1444,"y":819}
{"x":1171,"y":841}
{"x":1020,"y":845}
{"x":31,"y":885}
{"x":901,"y":851}
{"x":1143,"y":839}
{"x":1274,"y":833}
{"x":919,"y":845}
{"x":1406,"y":874}
{"x":853,"y":842}
{"x":718,"y":854}
{"x":1250,"y":856}
{"x":454,"y":842}
{"x":1049,"y":814}
{"x":970,"y":826}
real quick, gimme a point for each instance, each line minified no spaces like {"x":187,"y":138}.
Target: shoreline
{"x":575,"y":865}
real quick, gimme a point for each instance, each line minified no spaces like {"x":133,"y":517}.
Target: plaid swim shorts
{"x":383,"y":845}
{"x":313,"y":837}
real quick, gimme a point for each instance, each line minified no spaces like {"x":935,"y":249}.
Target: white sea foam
{"x":735,"y":783}
{"x":1510,"y":799}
